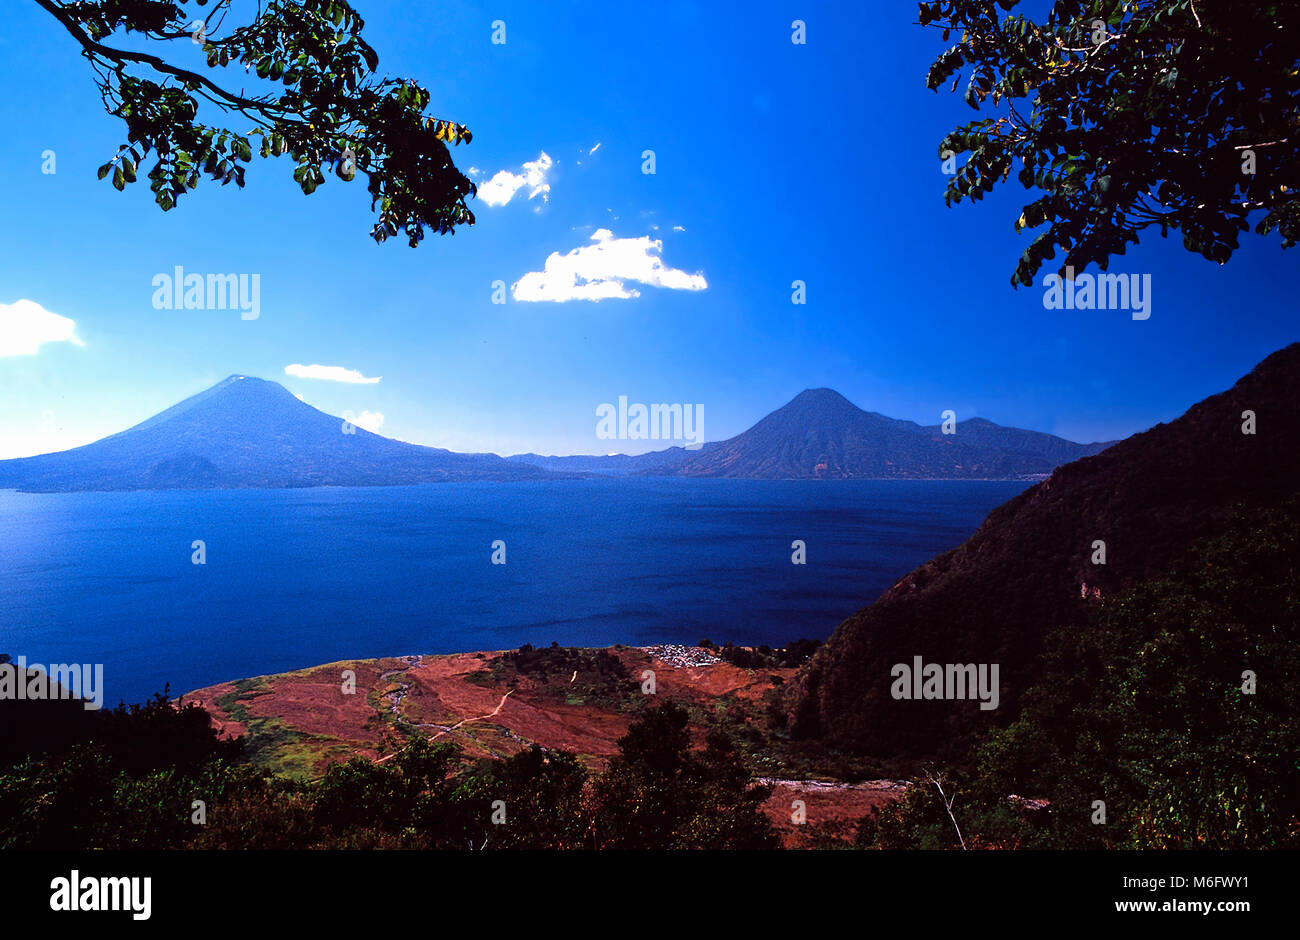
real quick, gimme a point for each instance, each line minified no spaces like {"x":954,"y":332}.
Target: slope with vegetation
{"x":1165,"y":719}
{"x":568,"y":741}
{"x":1030,"y":567}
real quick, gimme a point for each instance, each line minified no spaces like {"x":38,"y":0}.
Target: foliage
{"x":560,"y":662}
{"x":764,"y":657}
{"x":995,"y":598}
{"x":657,"y":794}
{"x":1128,"y":114}
{"x":570,"y":674}
{"x":543,"y":796}
{"x":1143,"y":708}
{"x":325,"y":106}
{"x":118,"y":779}
{"x":132,"y":779}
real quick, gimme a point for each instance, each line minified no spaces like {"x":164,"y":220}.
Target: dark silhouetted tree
{"x":658,"y":794}
{"x":324,"y":105}
{"x":1126,"y":115}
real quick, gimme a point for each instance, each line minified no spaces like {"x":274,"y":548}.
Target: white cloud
{"x":593,"y":149}
{"x":600,"y":271}
{"x":370,"y":421}
{"x":678,"y":228}
{"x":25,"y":326}
{"x":329,"y":374}
{"x":501,"y":188}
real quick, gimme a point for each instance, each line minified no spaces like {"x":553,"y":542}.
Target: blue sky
{"x":775,"y":162}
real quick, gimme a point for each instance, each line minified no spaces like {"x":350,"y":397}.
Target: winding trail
{"x":492,"y":714}
{"x":396,"y":696}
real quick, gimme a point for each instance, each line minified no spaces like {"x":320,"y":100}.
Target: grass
{"x":269,"y":742}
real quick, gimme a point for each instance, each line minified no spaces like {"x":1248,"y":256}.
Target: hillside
{"x":1029,"y":567}
{"x":822,"y":435}
{"x":248,"y":432}
{"x":496,"y":705}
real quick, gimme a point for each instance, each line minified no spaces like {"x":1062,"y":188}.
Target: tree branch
{"x":226,"y":99}
{"x":947,"y":804}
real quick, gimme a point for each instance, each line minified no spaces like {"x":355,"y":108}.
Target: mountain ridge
{"x":246,"y":431}
{"x":820,"y":434}
{"x":1029,"y":567}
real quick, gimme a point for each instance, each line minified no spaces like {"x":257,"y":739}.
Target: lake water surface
{"x":295,"y":578}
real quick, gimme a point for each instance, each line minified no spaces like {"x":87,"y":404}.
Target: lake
{"x":295,"y":578}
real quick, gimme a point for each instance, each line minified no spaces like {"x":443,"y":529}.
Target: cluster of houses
{"x":676,"y":655}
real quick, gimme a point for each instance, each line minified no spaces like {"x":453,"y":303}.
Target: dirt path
{"x":395,"y":708}
{"x":492,"y":714}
